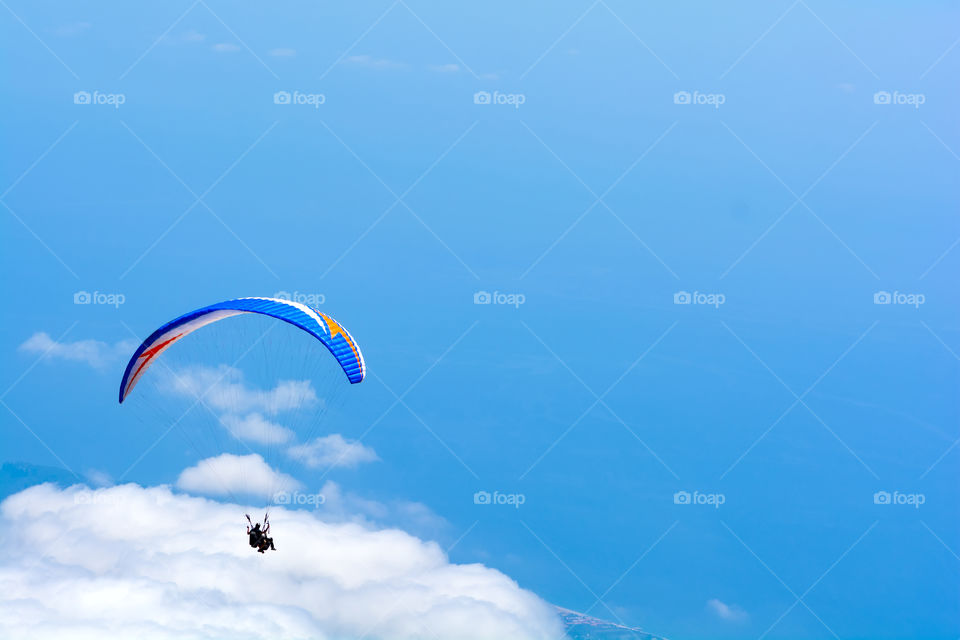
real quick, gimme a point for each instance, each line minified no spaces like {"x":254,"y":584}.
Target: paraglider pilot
{"x":259,"y":539}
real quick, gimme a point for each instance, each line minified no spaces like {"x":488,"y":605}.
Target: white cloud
{"x":233,"y":475}
{"x":724,"y":611}
{"x":95,"y":353}
{"x":444,"y":68}
{"x":226,"y":47}
{"x":332,"y":451}
{"x":374,"y":63}
{"x":224,"y":388}
{"x":193,"y":36}
{"x":255,"y":428}
{"x":182,"y":569}
{"x":282,"y":52}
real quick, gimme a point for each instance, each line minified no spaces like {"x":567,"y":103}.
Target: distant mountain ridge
{"x":583,"y":627}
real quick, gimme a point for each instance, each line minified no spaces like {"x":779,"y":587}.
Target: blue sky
{"x":797,"y":199}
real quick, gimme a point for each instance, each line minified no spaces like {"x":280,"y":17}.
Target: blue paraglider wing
{"x":321,"y":326}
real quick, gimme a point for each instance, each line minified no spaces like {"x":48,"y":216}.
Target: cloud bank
{"x":134,"y":562}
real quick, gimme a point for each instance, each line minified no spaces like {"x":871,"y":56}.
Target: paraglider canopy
{"x":321,"y":326}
